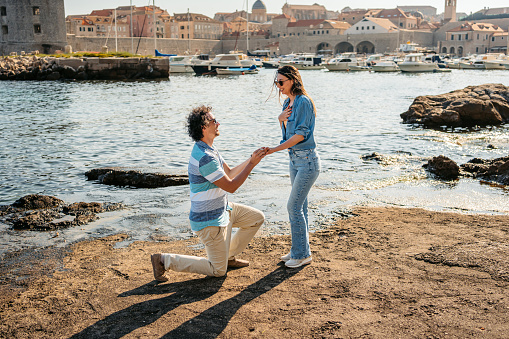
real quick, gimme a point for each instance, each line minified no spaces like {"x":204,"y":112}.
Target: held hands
{"x":258,"y":155}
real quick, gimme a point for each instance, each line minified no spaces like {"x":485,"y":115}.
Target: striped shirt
{"x":209,"y":203}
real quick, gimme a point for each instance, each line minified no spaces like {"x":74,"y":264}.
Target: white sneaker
{"x":287,"y":257}
{"x":294,"y":263}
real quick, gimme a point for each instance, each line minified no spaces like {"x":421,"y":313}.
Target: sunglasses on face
{"x":215,"y":121}
{"x":280,"y":82}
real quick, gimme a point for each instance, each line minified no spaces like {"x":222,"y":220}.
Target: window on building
{"x":37,"y":28}
{"x":5,"y":30}
{"x":452,"y":37}
{"x":367,"y":27}
{"x":182,"y":36}
{"x":466,"y":36}
{"x":357,"y":28}
{"x":477,"y":49}
{"x":459,"y":36}
{"x":477,"y":36}
{"x":90,"y":29}
{"x":362,"y":28}
{"x":493,"y":38}
{"x":3,"y":11}
{"x":327,"y":32}
{"x":36,"y":10}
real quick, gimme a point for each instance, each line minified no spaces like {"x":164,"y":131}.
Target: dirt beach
{"x":381,"y":273}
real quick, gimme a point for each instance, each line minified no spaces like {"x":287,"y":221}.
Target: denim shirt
{"x":301,"y":121}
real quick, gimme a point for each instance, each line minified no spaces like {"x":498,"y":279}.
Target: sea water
{"x":51,"y":133}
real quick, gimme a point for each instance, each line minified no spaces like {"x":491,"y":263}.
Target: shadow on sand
{"x":208,"y":324}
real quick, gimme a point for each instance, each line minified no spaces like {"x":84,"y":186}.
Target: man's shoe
{"x":237,"y":263}
{"x":158,"y":267}
{"x":287,"y":257}
{"x":294,"y":263}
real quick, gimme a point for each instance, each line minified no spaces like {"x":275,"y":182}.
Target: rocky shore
{"x":382,"y":273}
{"x":86,"y":68}
{"x":46,"y":213}
{"x":472,"y":106}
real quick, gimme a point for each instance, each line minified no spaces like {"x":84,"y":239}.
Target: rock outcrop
{"x":128,"y":177}
{"x":494,"y":170}
{"x":47,"y":213}
{"x":472,"y":106}
{"x":443,"y":168}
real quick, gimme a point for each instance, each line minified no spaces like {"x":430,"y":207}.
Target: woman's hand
{"x":285,"y":114}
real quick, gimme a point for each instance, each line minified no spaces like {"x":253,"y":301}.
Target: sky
{"x":210,"y":7}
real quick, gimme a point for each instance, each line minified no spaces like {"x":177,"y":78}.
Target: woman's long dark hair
{"x":292,"y":73}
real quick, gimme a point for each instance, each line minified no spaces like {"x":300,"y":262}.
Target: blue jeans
{"x":304,"y":169}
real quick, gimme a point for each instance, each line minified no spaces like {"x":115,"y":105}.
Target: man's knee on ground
{"x":220,"y":272}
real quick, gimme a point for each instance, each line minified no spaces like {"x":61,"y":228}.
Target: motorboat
{"x":385,"y":66}
{"x":304,"y":62}
{"x":237,"y":70}
{"x":271,"y":63}
{"x":414,"y":62}
{"x":344,"y":62}
{"x":496,"y":63}
{"x":181,"y":64}
{"x":477,"y":63}
{"x":374,"y":59}
{"x":230,"y":60}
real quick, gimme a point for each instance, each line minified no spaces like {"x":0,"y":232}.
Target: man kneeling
{"x":212,"y":216}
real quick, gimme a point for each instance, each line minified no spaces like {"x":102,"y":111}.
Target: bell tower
{"x":450,"y":11}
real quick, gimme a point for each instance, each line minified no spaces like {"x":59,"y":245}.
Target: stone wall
{"x":30,"y":25}
{"x":144,"y":46}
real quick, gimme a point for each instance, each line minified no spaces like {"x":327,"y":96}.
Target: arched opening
{"x":324,"y":48}
{"x":444,"y":50}
{"x":460,"y":51}
{"x":343,"y":47}
{"x":452,"y":51}
{"x":365,"y":47}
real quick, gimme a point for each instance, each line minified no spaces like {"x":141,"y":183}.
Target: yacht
{"x":414,"y":62}
{"x":385,"y":66}
{"x":374,"y":59}
{"x":304,"y":62}
{"x":343,"y":62}
{"x":231,"y":60}
{"x":181,"y":64}
{"x":496,"y":63}
{"x":477,"y":63}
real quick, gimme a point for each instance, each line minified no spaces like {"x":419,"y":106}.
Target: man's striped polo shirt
{"x":209,"y":203}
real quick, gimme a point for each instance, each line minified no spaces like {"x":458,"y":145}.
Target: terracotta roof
{"x":391,"y":13}
{"x":481,"y":26}
{"x":339,"y":24}
{"x":282,"y":16}
{"x":305,"y":23}
{"x":385,"y":23}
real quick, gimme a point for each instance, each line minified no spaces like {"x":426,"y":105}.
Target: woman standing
{"x":297,"y":124}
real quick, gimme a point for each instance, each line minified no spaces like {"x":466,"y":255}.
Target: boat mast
{"x":116,"y":32}
{"x":188,"y":34}
{"x":247,"y":27}
{"x":132,"y":37}
{"x":155,"y":31}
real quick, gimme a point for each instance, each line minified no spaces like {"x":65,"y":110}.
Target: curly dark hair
{"x":196,"y":120}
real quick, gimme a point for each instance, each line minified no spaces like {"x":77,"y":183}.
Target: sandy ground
{"x":382,"y":273}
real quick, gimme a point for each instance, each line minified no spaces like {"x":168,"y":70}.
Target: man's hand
{"x":258,"y":155}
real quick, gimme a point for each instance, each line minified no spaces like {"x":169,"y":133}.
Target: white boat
{"x":414,"y":62}
{"x":344,"y":62}
{"x":385,"y":66}
{"x":181,"y":64}
{"x":478,"y":63}
{"x":231,"y":60}
{"x":374,"y":59}
{"x":304,"y":62}
{"x":496,"y":63}
{"x":237,"y":71}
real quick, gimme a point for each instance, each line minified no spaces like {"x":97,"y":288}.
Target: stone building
{"x":259,"y":12}
{"x":198,"y":26}
{"x":354,"y":16}
{"x":472,"y":38}
{"x":305,"y":12}
{"x":399,"y":18}
{"x":30,"y":25}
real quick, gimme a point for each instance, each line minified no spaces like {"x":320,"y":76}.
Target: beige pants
{"x":219,"y":244}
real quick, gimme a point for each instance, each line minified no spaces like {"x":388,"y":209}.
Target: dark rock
{"x":496,"y":170}
{"x":474,"y":105}
{"x":53,"y":76}
{"x":134,"y":178}
{"x":373,"y":156}
{"x":443,"y":168}
{"x":45,"y":213}
{"x":36,"y":201}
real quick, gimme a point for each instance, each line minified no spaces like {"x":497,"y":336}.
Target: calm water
{"x":53,"y":132}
